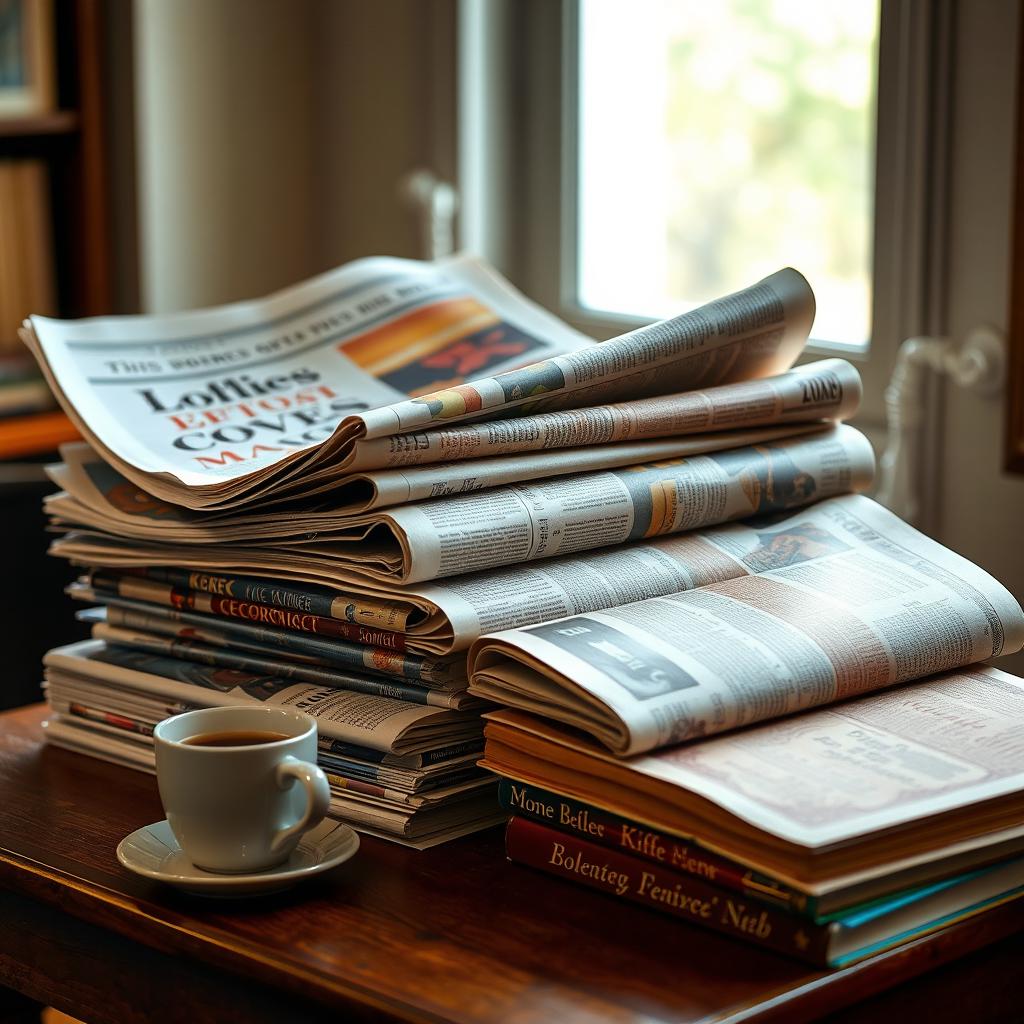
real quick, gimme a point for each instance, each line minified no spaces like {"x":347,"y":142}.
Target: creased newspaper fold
{"x":215,"y":408}
{"x":843,"y":601}
{"x":505,"y":525}
{"x":437,"y":463}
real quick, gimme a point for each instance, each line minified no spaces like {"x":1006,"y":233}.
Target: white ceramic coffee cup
{"x":240,"y":809}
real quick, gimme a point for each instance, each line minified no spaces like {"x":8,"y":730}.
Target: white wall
{"x":272,"y":138}
{"x":225,"y":117}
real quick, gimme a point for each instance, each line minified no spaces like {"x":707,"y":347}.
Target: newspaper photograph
{"x":211,"y":408}
{"x":856,"y":602}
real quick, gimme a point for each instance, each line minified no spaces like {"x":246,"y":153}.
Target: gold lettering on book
{"x":652,"y":846}
{"x":522,"y":799}
{"x":580,"y":821}
{"x":575,"y":862}
{"x":692,"y":864}
{"x":209,"y":584}
{"x":640,"y":841}
{"x":675,"y":897}
{"x":737,"y":916}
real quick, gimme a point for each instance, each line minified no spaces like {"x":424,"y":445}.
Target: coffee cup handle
{"x":318,"y":797}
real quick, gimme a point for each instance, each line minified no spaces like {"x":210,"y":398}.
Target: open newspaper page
{"x":217,"y":400}
{"x":855,"y":603}
{"x":951,"y":741}
{"x":949,"y":745}
{"x":213,"y":408}
{"x":519,"y":523}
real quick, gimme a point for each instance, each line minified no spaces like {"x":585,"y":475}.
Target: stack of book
{"x":316,"y":499}
{"x":678,"y":752}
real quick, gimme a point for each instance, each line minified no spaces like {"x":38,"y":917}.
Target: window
{"x":623,"y":162}
{"x":717,"y":142}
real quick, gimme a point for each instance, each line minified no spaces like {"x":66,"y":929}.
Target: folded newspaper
{"x":504,"y":525}
{"x":842,"y":600}
{"x":370,"y":365}
{"x":446,"y":616}
{"x":325,"y":497}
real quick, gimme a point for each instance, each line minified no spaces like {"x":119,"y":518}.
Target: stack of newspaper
{"x":323,"y":498}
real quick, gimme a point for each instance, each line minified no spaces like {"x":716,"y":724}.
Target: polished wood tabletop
{"x":454,"y":933}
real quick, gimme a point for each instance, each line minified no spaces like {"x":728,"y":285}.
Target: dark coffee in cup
{"x":240,"y":784}
{"x":234,"y":738}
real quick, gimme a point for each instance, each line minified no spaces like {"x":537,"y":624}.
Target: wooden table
{"x":455,"y":933}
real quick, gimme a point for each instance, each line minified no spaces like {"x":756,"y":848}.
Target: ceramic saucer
{"x":154,"y":853}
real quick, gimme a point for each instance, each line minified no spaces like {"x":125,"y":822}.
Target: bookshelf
{"x":59,"y":122}
{"x":70,"y":143}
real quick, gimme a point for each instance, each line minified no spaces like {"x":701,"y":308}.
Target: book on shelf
{"x":27,"y":268}
{"x":22,"y":390}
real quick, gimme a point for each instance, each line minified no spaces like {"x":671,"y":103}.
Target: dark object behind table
{"x":35,"y":614}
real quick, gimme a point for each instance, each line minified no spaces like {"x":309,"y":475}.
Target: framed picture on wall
{"x":26,"y":58}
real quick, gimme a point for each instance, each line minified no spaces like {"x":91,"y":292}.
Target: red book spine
{"x":186,"y":599}
{"x":636,"y":840}
{"x":302,"y":622}
{"x":630,"y":878}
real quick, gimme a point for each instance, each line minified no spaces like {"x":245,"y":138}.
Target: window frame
{"x":518,"y":74}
